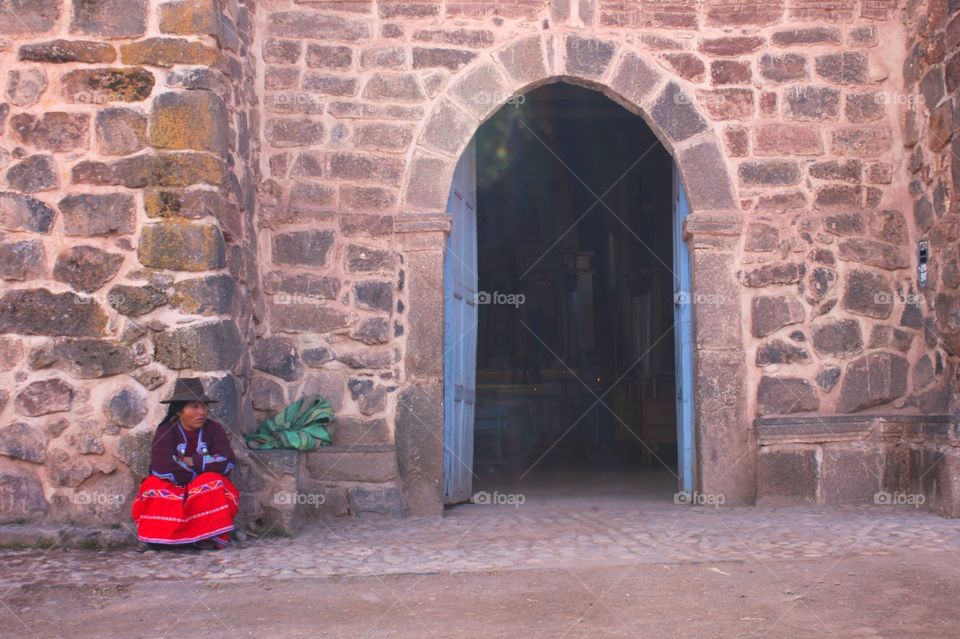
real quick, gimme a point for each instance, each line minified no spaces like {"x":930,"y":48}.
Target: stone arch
{"x":624,"y":74}
{"x":726,"y":452}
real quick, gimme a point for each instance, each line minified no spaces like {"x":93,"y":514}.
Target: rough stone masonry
{"x":253,"y":192}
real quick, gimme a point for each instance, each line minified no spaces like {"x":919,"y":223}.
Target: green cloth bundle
{"x":291,"y":428}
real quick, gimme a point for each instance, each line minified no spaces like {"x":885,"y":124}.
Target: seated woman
{"x":187,"y":498}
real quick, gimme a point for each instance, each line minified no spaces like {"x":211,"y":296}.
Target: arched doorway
{"x":724,"y":439}
{"x":567,"y":315}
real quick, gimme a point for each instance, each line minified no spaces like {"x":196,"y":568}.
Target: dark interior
{"x":597,"y":298}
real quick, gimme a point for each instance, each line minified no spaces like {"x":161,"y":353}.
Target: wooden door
{"x":460,"y":332}
{"x":683,"y":337}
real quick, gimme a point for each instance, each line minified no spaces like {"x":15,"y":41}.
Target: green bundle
{"x":291,"y":428}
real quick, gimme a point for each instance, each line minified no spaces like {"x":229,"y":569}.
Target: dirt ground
{"x":908,"y":594}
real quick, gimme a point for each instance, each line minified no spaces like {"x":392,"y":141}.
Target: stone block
{"x":811,"y":103}
{"x":45,"y":397}
{"x":192,"y":120}
{"x":182,"y":246}
{"x":40,"y":312}
{"x":674,"y":114}
{"x":109,"y":18}
{"x":686,"y":65}
{"x":25,"y":86}
{"x":334,"y":463}
{"x":380,"y":501}
{"x":837,"y":338}
{"x":162,"y":169}
{"x":20,"y":212}
{"x":522,"y":59}
{"x":419,"y":437}
{"x":28,"y":17}
{"x":211,"y":295}
{"x":34,"y":174}
{"x":21,"y":492}
{"x":277,"y":356}
{"x":787,"y":475}
{"x":100,"y":214}
{"x":167,"y":52}
{"x":204,"y":346}
{"x":85,"y":358}
{"x":23,"y":441}
{"x":783,"y":67}
{"x":126,"y":408}
{"x":785,"y":395}
{"x":21,"y":261}
{"x":53,"y":131}
{"x":98,"y":86}
{"x":843,"y":68}
{"x":706,"y":177}
{"x":86,"y":268}
{"x":868,"y":294}
{"x":872,"y":380}
{"x":852,"y":474}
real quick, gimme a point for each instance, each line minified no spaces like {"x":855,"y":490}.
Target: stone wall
{"x":129,"y":174}
{"x":134,"y":134}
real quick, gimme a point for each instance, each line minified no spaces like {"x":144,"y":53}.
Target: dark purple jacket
{"x":213,"y":452}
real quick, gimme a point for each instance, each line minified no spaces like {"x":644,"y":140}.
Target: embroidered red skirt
{"x":169,"y":514}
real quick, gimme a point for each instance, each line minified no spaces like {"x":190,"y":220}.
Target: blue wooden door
{"x":683,"y":337}
{"x":460,"y":332}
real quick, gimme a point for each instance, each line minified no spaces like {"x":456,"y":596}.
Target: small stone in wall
{"x":182,"y":246}
{"x":213,"y":295}
{"x":85,"y":439}
{"x":109,"y":18}
{"x":785,"y":395}
{"x":277,"y":356}
{"x":45,"y":397}
{"x":136,"y":300}
{"x":34,"y":173}
{"x":98,"y":86}
{"x":267,"y":395}
{"x":25,"y":86}
{"x":872,"y":380}
{"x":65,"y":470}
{"x":60,"y":51}
{"x":780,"y":352}
{"x":53,"y":131}
{"x":206,"y":347}
{"x":86,"y":268}
{"x":21,"y":260}
{"x":869,"y":294}
{"x":149,"y":378}
{"x":374,"y":330}
{"x":98,"y":214}
{"x":827,"y":377}
{"x":20,"y":212}
{"x":85,"y":358}
{"x":837,"y":338}
{"x":317,"y":356}
{"x":23,"y":441}
{"x":126,"y":408}
{"x":120,"y":131}
{"x":377,"y":296}
{"x":770,"y":313}
{"x":20,"y":491}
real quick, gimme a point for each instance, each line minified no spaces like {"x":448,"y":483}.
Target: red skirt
{"x":169,"y":514}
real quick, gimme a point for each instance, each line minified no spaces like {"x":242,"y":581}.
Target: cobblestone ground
{"x":476,"y":538}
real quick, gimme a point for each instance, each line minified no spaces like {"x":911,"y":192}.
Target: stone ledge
{"x":32,"y":536}
{"x":824,"y":428}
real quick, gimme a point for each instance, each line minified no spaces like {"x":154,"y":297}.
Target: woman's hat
{"x":189,"y":389}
